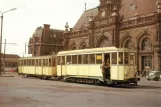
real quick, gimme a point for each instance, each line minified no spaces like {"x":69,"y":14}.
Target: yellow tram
{"x":40,"y":66}
{"x":84,"y":65}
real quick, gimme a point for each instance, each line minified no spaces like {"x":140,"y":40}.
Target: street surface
{"x":31,"y":92}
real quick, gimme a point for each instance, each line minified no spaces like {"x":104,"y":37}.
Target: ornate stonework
{"x":122,"y":23}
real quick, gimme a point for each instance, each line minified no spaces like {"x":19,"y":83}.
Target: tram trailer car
{"x":43,"y":67}
{"x":84,"y":65}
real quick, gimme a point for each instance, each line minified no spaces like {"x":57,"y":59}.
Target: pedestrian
{"x":103,"y":67}
{"x":107,"y":67}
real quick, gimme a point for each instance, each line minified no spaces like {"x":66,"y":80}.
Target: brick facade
{"x":120,"y":23}
{"x":45,"y":41}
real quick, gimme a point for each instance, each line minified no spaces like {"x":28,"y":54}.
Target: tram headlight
{"x":126,"y":73}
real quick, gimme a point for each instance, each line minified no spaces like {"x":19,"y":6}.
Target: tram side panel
{"x":95,"y":71}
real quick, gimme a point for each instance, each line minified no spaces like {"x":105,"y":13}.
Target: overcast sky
{"x":20,"y":24}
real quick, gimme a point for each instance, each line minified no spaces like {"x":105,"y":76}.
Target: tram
{"x":84,"y":65}
{"x":43,"y":67}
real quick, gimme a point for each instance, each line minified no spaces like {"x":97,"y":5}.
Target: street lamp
{"x":2,"y":15}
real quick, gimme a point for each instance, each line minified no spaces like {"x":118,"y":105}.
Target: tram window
{"x":30,"y":63}
{"x":46,"y":62}
{"x":49,"y":62}
{"x":33,"y":62}
{"x":27,"y":62}
{"x":120,"y":58}
{"x":92,"y":59}
{"x":53,"y":62}
{"x":37,"y":62}
{"x":43,"y":62}
{"x":74,"y":59}
{"x":58,"y":60}
{"x":79,"y":59}
{"x":98,"y":58}
{"x":69,"y":61}
{"x":126,"y":60}
{"x":85,"y":59}
{"x":63,"y":60}
{"x":114,"y":58}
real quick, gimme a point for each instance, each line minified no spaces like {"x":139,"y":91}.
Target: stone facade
{"x":121,"y":23}
{"x":45,"y":41}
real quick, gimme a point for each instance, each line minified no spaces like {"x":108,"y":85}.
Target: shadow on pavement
{"x":148,"y":87}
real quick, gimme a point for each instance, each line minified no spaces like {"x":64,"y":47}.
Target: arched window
{"x":128,"y":44}
{"x":104,"y":42}
{"x":83,"y":46}
{"x":146,"y":44}
{"x":73,"y":48}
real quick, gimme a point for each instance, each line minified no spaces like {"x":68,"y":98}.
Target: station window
{"x":69,"y":60}
{"x":92,"y":59}
{"x":120,"y":58}
{"x":74,"y":59}
{"x":114,"y":58}
{"x":85,"y":59}
{"x":132,"y":59}
{"x":98,"y":58}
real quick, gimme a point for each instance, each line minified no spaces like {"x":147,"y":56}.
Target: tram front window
{"x":120,"y":59}
{"x":126,"y":59}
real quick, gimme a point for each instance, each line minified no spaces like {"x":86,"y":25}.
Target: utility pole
{"x":2,"y":16}
{"x":4,"y":55}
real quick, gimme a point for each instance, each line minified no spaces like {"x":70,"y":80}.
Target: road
{"x":31,"y":92}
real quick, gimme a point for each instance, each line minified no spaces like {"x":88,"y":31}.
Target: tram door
{"x":106,"y":57}
{"x":146,"y":63}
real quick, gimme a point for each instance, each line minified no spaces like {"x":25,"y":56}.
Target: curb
{"x":6,"y":76}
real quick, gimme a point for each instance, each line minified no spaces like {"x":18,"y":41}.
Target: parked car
{"x":7,"y":69}
{"x":154,"y":75}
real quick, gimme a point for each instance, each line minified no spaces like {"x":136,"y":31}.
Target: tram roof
{"x":95,"y":50}
{"x":38,"y":57}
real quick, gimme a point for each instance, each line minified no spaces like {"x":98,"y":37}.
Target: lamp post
{"x":2,"y":15}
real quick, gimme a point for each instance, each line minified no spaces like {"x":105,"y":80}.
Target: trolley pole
{"x":4,"y":54}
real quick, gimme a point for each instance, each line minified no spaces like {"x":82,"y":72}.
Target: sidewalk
{"x":8,"y":74}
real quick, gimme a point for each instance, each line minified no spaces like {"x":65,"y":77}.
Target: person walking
{"x":103,"y":67}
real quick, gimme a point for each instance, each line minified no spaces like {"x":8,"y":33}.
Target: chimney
{"x":46,"y":32}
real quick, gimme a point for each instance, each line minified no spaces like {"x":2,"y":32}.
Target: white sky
{"x":20,"y":24}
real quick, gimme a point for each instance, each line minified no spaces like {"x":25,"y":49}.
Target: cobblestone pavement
{"x":31,"y":92}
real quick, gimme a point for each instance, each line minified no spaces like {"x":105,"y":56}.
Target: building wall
{"x":113,"y":25}
{"x":45,"y":41}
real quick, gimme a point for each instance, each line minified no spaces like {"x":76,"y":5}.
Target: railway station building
{"x":45,"y":41}
{"x":134,"y":24}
